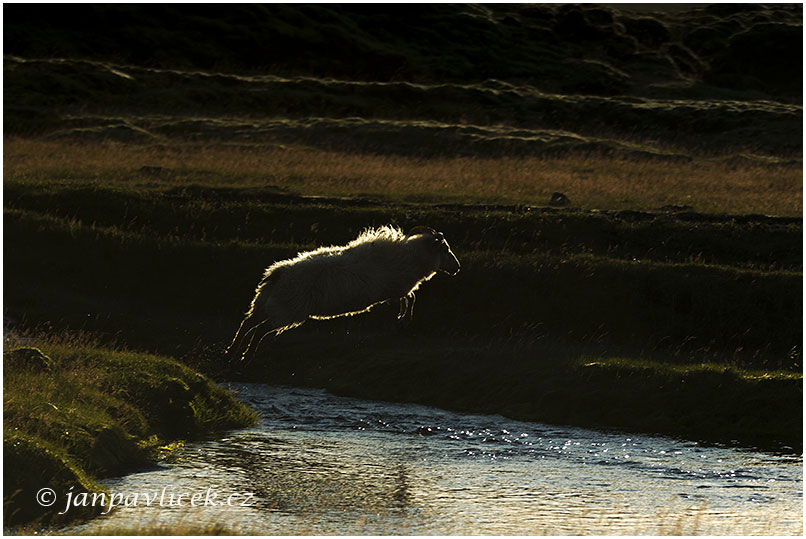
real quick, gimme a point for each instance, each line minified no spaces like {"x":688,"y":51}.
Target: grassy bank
{"x":75,"y":412}
{"x":161,"y":247}
{"x":561,"y":383}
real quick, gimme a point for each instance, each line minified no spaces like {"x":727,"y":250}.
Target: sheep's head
{"x":448,"y":263}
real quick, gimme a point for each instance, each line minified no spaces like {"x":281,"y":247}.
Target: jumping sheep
{"x":381,"y":264}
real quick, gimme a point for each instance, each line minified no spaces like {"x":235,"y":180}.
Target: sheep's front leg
{"x":252,"y":330}
{"x":247,"y":325}
{"x":259,"y":332}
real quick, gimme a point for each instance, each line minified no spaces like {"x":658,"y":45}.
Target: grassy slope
{"x":82,"y":100}
{"x":88,"y":412}
{"x":169,"y":263}
{"x":690,"y":51}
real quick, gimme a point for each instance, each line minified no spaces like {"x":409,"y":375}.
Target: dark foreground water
{"x":319,"y":464}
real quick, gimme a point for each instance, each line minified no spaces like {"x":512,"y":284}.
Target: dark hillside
{"x":81,"y":99}
{"x":412,"y":79}
{"x":714,"y":51}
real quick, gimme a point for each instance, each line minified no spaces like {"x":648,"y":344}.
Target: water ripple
{"x":319,"y":464}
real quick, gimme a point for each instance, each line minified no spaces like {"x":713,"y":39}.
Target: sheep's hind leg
{"x":404,"y":306}
{"x":406,"y":310}
{"x":412,"y":297}
{"x":252,"y":350}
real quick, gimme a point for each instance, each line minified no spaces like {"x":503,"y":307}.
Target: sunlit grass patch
{"x":638,"y":365}
{"x":711,"y":185}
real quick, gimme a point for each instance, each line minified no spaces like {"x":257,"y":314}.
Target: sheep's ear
{"x":421,"y":230}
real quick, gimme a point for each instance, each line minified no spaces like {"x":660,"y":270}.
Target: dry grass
{"x":707,"y":185}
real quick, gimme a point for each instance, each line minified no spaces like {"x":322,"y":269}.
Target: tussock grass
{"x":595,"y":181}
{"x":95,"y":411}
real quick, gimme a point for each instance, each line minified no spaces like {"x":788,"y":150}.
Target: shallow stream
{"x":320,"y":464}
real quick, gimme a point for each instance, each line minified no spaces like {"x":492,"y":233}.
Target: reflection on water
{"x":319,"y":464}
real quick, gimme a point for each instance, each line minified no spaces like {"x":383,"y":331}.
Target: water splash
{"x":319,"y":464}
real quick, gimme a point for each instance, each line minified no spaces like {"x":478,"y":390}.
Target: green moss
{"x":96,"y":412}
{"x":32,"y":463}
